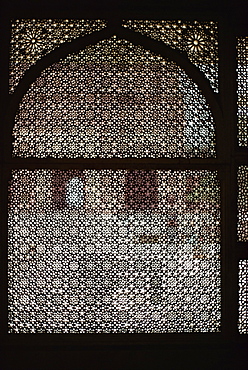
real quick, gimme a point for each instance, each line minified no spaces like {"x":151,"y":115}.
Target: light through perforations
{"x":114,"y":99}
{"x":243,"y":204}
{"x":199,"y":40}
{"x":139,"y":253}
{"x":242,"y":78}
{"x":31,"y":39}
{"x":74,"y":192}
{"x":243,"y":297}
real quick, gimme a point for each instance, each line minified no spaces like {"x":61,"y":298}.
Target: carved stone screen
{"x":242,"y":78}
{"x":114,"y":99}
{"x":243,"y":297}
{"x":243,"y":204}
{"x":197,"y":39}
{"x":31,"y":39}
{"x":120,"y":251}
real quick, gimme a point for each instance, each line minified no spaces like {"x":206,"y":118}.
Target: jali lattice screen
{"x":100,"y":251}
{"x":243,"y":297}
{"x":114,"y":99}
{"x":242,"y":78}
{"x":243,"y":204}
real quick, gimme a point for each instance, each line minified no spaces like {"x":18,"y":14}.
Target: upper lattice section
{"x":114,"y":99}
{"x":31,"y":39}
{"x":242,"y":78}
{"x":199,"y":40}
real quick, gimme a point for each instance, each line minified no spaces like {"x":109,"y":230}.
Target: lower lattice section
{"x":243,"y":297}
{"x":103,"y":251}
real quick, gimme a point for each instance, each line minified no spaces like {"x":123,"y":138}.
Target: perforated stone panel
{"x":114,"y":99}
{"x":243,"y":204}
{"x":242,"y":78}
{"x":243,"y":297}
{"x":100,"y":251}
{"x":197,"y":39}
